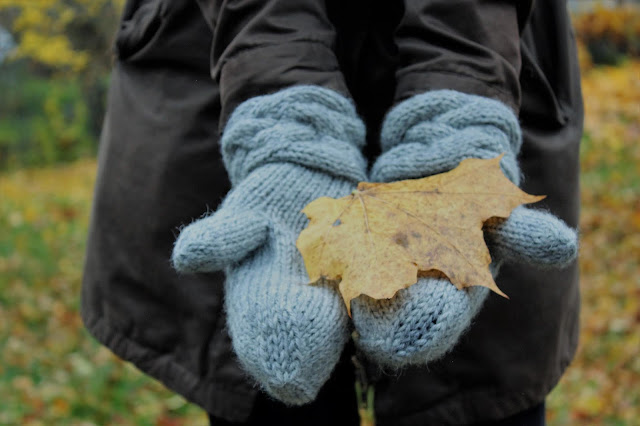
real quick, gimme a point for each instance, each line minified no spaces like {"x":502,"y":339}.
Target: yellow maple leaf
{"x":378,"y":240}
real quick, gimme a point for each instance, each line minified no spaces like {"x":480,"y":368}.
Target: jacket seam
{"x":242,"y":51}
{"x":503,"y":94}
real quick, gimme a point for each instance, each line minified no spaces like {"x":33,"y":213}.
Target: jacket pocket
{"x":140,"y":26}
{"x":540,"y":103}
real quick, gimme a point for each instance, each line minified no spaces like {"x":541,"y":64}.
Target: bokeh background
{"x":55,"y":57}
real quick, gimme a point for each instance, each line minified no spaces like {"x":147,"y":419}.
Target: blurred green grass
{"x":43,"y":121}
{"x":54,"y":373}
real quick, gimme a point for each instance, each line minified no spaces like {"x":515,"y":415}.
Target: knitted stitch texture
{"x":428,"y":134}
{"x":281,"y":151}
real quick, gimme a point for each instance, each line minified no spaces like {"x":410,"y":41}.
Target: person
{"x":225,"y":118}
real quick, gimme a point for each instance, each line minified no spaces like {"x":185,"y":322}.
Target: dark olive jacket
{"x":181,"y":67}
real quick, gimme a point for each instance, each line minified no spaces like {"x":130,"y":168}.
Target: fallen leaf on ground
{"x":380,"y":238}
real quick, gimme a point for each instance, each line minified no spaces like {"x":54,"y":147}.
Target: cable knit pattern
{"x":428,"y":134}
{"x":282,"y":151}
{"x":302,"y":125}
{"x":432,"y":132}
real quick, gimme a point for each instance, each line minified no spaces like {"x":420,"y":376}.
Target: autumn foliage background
{"x":52,"y":87}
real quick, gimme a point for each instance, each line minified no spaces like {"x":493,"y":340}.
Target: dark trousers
{"x":269,"y":412}
{"x":335,"y":405}
{"x":534,"y":416}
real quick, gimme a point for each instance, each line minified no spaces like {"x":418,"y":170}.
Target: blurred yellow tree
{"x":66,"y":40}
{"x":609,"y":34}
{"x":62,"y":35}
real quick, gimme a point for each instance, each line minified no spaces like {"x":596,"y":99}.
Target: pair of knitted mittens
{"x":286,"y":149}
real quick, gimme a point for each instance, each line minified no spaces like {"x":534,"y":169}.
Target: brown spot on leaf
{"x":401,"y":239}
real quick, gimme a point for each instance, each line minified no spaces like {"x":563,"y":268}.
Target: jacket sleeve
{"x":260,"y":47}
{"x":472,"y":46}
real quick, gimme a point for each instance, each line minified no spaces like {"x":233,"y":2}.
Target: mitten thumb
{"x":211,"y":243}
{"x":534,"y":237}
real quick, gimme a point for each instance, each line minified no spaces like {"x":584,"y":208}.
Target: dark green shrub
{"x":42,"y":121}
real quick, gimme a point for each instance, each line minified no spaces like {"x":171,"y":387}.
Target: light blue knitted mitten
{"x":428,"y":134}
{"x":281,"y":151}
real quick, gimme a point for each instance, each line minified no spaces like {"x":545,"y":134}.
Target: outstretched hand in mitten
{"x":281,"y":151}
{"x":429,"y":134}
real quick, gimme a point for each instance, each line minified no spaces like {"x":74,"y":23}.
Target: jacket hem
{"x":219,"y":401}
{"x":473,"y":407}
{"x":480,"y":405}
